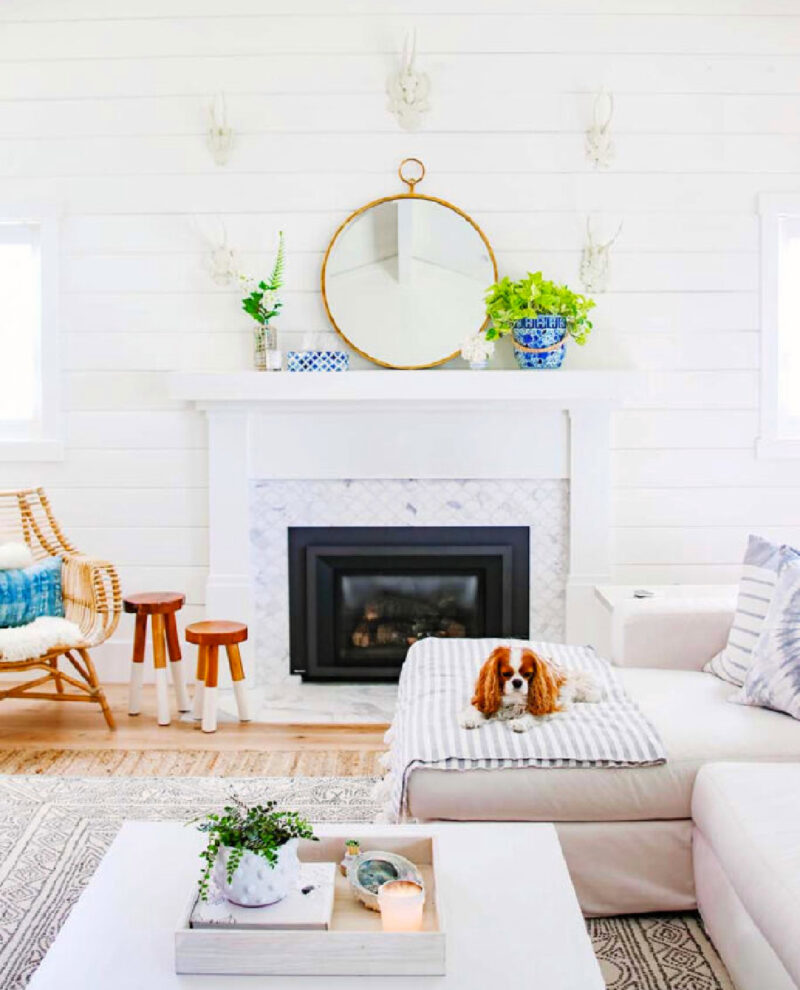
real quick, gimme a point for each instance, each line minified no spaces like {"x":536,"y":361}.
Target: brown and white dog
{"x":517,"y":685}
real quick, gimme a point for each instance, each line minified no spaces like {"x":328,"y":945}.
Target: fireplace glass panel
{"x":380,"y":615}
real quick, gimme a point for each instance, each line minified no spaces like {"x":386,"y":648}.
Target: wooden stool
{"x":209,"y":636}
{"x":161,"y":606}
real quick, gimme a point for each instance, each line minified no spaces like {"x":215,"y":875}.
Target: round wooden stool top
{"x":154,"y":602}
{"x":216,"y":633}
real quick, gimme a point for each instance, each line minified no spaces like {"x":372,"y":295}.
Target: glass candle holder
{"x":401,"y":903}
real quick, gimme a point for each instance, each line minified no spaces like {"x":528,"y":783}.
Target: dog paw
{"x":470,"y":720}
{"x":519,"y":725}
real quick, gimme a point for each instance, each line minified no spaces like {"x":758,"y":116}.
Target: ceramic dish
{"x":372,"y":868}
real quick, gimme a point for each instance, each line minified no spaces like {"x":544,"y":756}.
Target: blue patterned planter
{"x":318,"y":361}
{"x":537,"y":333}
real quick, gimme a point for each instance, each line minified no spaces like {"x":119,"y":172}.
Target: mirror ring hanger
{"x":409,"y":180}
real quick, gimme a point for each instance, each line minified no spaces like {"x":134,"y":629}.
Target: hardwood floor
{"x":39,"y":725}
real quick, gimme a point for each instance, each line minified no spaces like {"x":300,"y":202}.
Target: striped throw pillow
{"x":31,"y":592}
{"x":762,"y":561}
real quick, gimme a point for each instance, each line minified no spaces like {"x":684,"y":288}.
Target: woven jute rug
{"x":54,"y":831}
{"x":192,"y":763}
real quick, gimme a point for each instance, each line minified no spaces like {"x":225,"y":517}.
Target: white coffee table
{"x":512,"y":917}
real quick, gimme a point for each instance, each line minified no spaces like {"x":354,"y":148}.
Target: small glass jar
{"x":267,"y":356}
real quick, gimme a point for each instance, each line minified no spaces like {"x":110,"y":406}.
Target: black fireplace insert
{"x":360,"y":596}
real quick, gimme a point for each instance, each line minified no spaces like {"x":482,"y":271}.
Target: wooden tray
{"x":355,"y":944}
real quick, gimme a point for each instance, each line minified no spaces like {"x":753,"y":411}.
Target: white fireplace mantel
{"x":409,"y":424}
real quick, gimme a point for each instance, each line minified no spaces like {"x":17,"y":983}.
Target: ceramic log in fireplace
{"x":359,"y":597}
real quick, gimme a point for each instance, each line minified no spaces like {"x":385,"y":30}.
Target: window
{"x":780,"y":326}
{"x":28,"y":339}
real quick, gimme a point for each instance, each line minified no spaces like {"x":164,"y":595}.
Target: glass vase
{"x":266,"y":355}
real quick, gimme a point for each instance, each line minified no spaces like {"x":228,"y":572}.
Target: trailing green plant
{"x":532,"y":296}
{"x":258,"y":828}
{"x":263,"y":302}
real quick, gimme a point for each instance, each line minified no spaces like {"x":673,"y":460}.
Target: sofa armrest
{"x":677,"y":634}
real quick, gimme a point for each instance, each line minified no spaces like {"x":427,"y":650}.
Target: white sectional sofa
{"x":746,"y":849}
{"x":627,"y":833}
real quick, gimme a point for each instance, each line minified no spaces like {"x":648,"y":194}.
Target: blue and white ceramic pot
{"x":540,"y":341}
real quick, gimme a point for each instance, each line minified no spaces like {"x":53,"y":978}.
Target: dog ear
{"x":543,"y":687}
{"x":487,"y":690}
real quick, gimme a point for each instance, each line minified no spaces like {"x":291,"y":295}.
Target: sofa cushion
{"x":762,"y":561}
{"x":773,"y":680}
{"x":690,"y":711}
{"x":750,"y":817}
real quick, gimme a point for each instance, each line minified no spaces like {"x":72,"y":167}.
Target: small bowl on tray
{"x":373,"y":868}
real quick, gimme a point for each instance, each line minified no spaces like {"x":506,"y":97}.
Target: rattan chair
{"x":92,"y":600}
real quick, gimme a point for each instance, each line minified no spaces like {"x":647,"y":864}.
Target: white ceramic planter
{"x":255,"y":882}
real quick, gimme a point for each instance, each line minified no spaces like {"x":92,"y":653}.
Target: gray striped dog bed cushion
{"x":762,"y":562}
{"x":438,"y":681}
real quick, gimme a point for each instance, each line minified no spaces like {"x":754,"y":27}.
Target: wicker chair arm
{"x":92,"y":596}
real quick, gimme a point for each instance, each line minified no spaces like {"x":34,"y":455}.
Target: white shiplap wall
{"x":102,"y":111}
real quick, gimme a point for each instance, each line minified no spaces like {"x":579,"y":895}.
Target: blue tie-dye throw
{"x":30,"y":592}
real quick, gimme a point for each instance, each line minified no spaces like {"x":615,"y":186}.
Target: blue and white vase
{"x":540,"y":341}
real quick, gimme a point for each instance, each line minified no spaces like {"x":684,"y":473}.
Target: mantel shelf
{"x":561,"y":389}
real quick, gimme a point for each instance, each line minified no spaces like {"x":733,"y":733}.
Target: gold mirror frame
{"x":411,"y":194}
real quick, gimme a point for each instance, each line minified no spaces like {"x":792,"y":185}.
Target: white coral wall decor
{"x":408,"y":89}
{"x":599,"y":146}
{"x":222,"y":260}
{"x":220,"y":133}
{"x":595,"y":260}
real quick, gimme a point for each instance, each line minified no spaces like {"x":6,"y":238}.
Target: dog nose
{"x":517,"y":683}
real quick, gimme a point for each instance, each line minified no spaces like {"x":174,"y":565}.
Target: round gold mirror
{"x":404,"y":277}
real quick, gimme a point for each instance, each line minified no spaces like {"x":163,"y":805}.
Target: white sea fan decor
{"x":477,"y":348}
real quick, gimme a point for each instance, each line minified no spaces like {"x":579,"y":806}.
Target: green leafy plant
{"x":263,"y":302}
{"x":258,"y":828}
{"x":534,"y":295}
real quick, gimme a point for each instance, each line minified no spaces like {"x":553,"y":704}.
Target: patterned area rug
{"x":54,"y":831}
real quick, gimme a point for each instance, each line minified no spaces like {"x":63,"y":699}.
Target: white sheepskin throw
{"x":37,"y":638}
{"x":14,"y":556}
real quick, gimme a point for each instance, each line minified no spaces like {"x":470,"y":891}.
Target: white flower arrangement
{"x":477,"y":349}
{"x":262,"y":301}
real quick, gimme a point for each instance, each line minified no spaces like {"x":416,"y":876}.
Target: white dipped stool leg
{"x":209,"y":709}
{"x":176,"y":664}
{"x":160,"y":661}
{"x":242,"y":701}
{"x":210,"y":690}
{"x":197,"y":703}
{"x":199,"y":684}
{"x":137,"y":665}
{"x":135,"y":697}
{"x":178,"y":682}
{"x":237,"y":675}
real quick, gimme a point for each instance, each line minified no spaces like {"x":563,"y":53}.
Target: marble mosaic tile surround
{"x":543,"y":505}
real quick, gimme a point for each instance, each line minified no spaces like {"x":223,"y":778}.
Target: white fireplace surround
{"x":408,"y":424}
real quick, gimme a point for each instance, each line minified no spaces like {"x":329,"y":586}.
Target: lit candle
{"x":401,"y":903}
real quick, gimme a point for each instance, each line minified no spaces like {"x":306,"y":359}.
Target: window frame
{"x":774,"y":441}
{"x":42,"y":440}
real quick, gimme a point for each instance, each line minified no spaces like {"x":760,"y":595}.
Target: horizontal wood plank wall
{"x":102,"y":111}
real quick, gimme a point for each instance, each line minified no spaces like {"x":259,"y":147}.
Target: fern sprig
{"x":276,"y":278}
